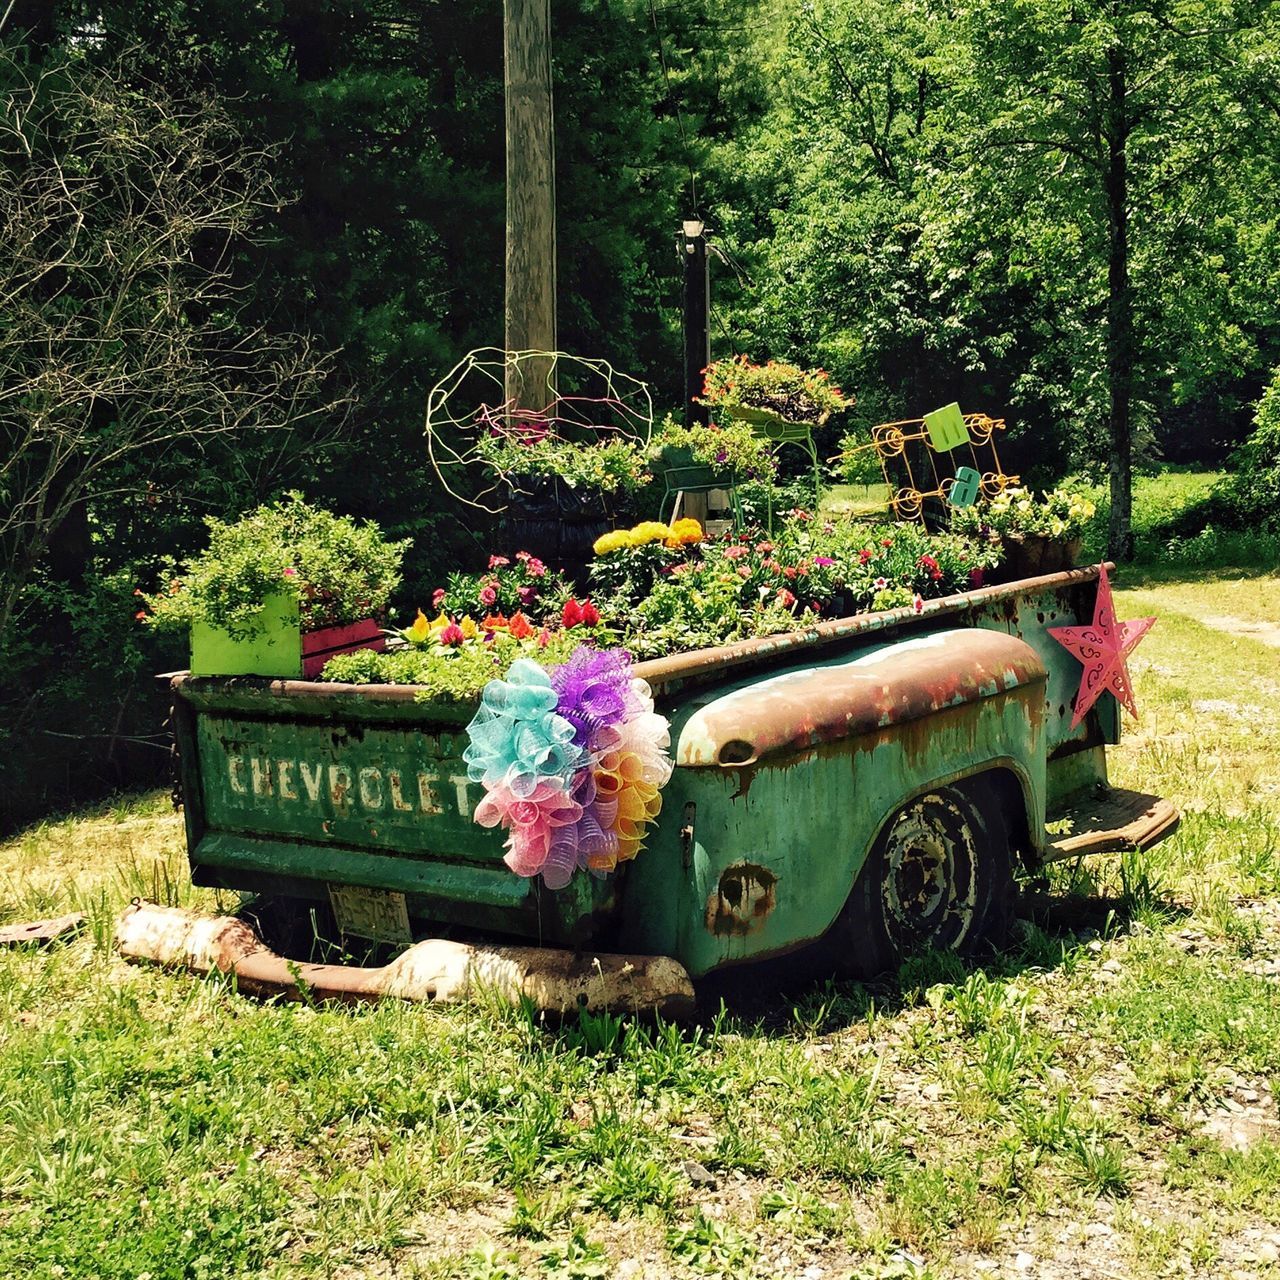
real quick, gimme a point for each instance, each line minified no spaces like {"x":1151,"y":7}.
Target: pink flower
{"x":785,"y":598}
{"x":544,"y":638}
{"x":880,"y":584}
{"x":290,"y":572}
{"x":437,"y":596}
{"x":452,"y":635}
{"x":488,"y":596}
{"x":743,"y":571}
{"x":823,"y":561}
{"x":735,"y":553}
{"x":536,"y":568}
{"x":498,"y":562}
{"x":918,"y":604}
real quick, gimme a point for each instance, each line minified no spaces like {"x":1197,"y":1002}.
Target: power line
{"x":684,"y":137}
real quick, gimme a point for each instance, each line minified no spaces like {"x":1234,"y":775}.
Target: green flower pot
{"x":273,"y":648}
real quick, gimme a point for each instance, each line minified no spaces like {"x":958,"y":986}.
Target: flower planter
{"x":554,"y":521}
{"x":273,"y":648}
{"x":773,"y":426}
{"x":1030,"y":555}
{"x":680,"y":470}
{"x":321,"y":645}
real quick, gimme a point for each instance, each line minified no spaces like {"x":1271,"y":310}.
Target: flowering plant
{"x":792,"y":393}
{"x":340,"y":571}
{"x":628,"y":560}
{"x":510,"y":584}
{"x":1018,"y":513}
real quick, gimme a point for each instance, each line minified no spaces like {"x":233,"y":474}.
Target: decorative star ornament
{"x":1103,"y":647}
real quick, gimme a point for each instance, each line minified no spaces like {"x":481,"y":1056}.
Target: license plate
{"x":377,"y":914}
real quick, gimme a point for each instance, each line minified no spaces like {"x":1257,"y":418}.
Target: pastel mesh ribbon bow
{"x":572,"y":762}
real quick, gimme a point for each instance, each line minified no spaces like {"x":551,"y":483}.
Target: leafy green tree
{"x":1103,"y":141}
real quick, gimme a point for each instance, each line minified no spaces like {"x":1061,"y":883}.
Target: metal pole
{"x":697,"y":310}
{"x":531,"y":198}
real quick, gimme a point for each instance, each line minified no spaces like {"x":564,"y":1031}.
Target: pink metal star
{"x":1103,"y":647}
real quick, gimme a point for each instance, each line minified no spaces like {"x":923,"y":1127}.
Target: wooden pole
{"x":531,"y":198}
{"x":697,"y":311}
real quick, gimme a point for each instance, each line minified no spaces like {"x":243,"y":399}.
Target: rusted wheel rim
{"x":930,"y":887}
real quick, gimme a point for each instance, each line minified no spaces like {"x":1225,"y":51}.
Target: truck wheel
{"x":938,"y":877}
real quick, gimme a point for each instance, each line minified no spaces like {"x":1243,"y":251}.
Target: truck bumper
{"x":551,"y":980}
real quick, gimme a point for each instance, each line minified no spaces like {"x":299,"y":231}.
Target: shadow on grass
{"x":796,"y":994}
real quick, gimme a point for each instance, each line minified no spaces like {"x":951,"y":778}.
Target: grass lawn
{"x":1096,"y":1102}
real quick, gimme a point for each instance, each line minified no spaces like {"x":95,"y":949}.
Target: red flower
{"x":790,"y":572}
{"x":572,"y":615}
{"x":785,"y":598}
{"x":864,"y":555}
{"x":142,"y":613}
{"x":975,"y":577}
{"x":886,"y":542}
{"x":590,"y":615}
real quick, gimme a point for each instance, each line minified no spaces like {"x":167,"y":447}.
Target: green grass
{"x":1054,"y":1101}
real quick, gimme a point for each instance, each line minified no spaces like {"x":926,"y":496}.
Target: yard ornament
{"x":1103,"y":647}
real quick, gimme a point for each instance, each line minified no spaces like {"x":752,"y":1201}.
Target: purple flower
{"x":527,"y":595}
{"x":722,"y":456}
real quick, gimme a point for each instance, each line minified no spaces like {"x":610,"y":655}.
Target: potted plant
{"x":1037,"y":534}
{"x":782,"y":401}
{"x":280,"y":591}
{"x":561,"y":493}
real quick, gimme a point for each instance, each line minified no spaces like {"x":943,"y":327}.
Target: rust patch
{"x":742,"y":901}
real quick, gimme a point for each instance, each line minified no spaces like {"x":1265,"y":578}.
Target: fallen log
{"x":554,"y":981}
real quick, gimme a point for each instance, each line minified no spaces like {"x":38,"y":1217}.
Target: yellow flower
{"x":469,"y":628}
{"x":439,"y":624}
{"x":685,"y":532}
{"x":420,"y":629}
{"x":618,"y":540}
{"x":649,"y":531}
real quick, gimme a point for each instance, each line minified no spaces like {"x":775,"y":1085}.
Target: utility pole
{"x":692,"y":243}
{"x":531,"y":198}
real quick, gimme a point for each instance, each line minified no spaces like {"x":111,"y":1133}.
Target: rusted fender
{"x":884,"y":687}
{"x":554,"y":981}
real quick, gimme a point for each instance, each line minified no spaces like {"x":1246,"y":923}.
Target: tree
{"x":1107,"y":136}
{"x":122,"y":336}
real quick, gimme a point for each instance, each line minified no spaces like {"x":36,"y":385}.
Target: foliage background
{"x":894,"y":197}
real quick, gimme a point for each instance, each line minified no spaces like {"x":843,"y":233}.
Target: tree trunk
{"x":1119,"y":312}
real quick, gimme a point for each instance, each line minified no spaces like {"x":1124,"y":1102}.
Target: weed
{"x":711,"y":1246}
{"x":1098,"y":1165}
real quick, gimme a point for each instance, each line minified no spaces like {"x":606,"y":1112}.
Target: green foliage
{"x":342,"y":571}
{"x":614,"y":465}
{"x":448,"y":674}
{"x":726,"y":447}
{"x":1253,"y":490}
